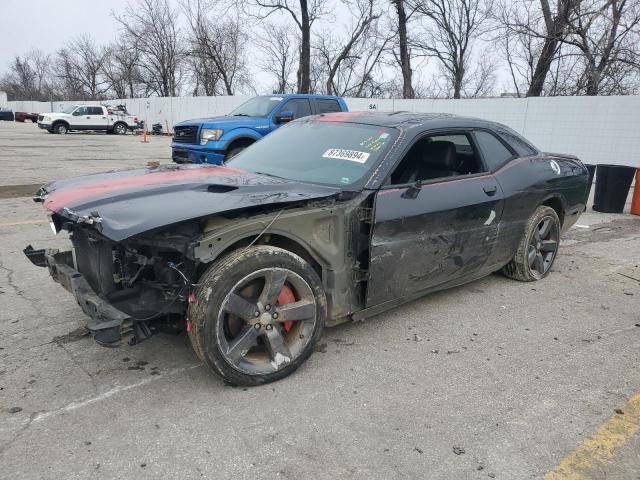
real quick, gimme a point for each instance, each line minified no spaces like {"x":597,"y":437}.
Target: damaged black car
{"x":329,"y":219}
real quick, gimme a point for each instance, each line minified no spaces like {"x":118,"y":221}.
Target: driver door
{"x":435,"y":234}
{"x":80,"y":118}
{"x":300,"y":107}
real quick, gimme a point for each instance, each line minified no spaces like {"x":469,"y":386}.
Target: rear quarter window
{"x":518,"y":143}
{"x":493,"y":150}
{"x":328,"y":106}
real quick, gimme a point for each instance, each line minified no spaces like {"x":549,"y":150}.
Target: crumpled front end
{"x":122,"y":287}
{"x":105,"y":321}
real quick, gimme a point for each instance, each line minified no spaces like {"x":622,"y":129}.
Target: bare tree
{"x":531,"y":35}
{"x":604,"y":32}
{"x":152,"y":25}
{"x":218,"y":46}
{"x":121,"y":69}
{"x":79,"y":66}
{"x":304,"y":13}
{"x":344,"y":53}
{"x":29,"y":77}
{"x":448,"y":29}
{"x":403,"y":57}
{"x":279,"y":56}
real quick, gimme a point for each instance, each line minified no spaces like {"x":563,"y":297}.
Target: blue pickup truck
{"x":216,"y":139}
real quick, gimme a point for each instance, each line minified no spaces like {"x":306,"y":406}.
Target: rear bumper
{"x":181,"y":153}
{"x":104,"y":320}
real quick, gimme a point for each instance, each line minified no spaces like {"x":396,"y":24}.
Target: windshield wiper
{"x":240,"y":115}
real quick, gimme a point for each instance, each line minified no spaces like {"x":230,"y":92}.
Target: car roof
{"x":403,"y":119}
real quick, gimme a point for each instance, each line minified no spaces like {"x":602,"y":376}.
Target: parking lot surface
{"x":495,"y":379}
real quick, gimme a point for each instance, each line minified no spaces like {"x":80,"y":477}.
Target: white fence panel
{"x":596,"y":129}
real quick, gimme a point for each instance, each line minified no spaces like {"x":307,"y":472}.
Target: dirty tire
{"x":233,"y":152}
{"x":60,"y":128}
{"x":519,"y":267}
{"x":210,"y":317}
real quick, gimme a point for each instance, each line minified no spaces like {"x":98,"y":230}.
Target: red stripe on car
{"x":58,"y":199}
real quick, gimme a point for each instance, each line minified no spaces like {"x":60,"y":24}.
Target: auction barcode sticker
{"x":342,"y":154}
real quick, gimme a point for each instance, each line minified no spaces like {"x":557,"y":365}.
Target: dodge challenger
{"x":333,"y":217}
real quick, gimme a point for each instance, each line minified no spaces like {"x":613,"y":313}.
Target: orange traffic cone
{"x":635,"y":201}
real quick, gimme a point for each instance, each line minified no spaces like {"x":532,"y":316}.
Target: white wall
{"x":3,"y":100}
{"x":596,"y":129}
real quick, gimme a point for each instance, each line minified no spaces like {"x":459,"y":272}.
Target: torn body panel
{"x":442,"y":232}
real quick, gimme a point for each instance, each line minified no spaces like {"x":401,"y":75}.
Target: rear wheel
{"x":538,"y":248}
{"x":258,"y":315}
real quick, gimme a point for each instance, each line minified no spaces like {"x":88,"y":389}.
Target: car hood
{"x":57,"y":114}
{"x":224,"y":121}
{"x":125,"y":203}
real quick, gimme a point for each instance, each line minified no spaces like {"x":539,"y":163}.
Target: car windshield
{"x":256,"y":107}
{"x":70,"y":109}
{"x":318,"y":152}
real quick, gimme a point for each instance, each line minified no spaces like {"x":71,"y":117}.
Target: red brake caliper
{"x":286,"y":296}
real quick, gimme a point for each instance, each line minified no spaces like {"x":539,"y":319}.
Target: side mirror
{"x":412,"y":190}
{"x":284,"y":117}
{"x":76,"y":113}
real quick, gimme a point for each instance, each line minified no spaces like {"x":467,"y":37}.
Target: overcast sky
{"x":47,"y":25}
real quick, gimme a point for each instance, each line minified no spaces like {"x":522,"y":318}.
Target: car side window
{"x":518,"y":143}
{"x":494,"y":152}
{"x":95,"y":111}
{"x":327,"y":106}
{"x":82,"y":111}
{"x":299,"y":106}
{"x":437,"y":156}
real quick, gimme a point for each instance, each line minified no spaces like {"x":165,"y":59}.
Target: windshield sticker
{"x":342,"y":154}
{"x":375,"y":143}
{"x":345,"y":180}
{"x":276,"y":99}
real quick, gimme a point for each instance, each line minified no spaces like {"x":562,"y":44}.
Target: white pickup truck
{"x":88,"y":117}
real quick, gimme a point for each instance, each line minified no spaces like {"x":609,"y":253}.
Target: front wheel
{"x":60,"y":128}
{"x":233,"y":152}
{"x":258,"y":315}
{"x":538,"y":247}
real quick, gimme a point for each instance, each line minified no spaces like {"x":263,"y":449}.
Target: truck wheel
{"x":258,"y":315}
{"x":60,"y":128}
{"x":538,"y":247}
{"x":119,"y":128}
{"x":233,"y":152}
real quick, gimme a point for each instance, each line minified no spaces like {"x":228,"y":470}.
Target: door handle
{"x":491,"y":191}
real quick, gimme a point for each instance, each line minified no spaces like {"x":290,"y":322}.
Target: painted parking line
{"x":595,"y":452}
{"x":24,"y":222}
